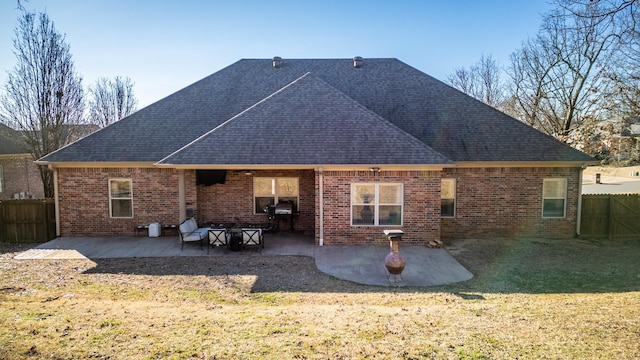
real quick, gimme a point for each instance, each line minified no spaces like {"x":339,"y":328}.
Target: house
{"x":618,"y":137}
{"x":19,"y":175}
{"x":356,"y":145}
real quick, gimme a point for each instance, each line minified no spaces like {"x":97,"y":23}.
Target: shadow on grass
{"x":6,"y":248}
{"x":513,"y":266}
{"x":282,"y":273}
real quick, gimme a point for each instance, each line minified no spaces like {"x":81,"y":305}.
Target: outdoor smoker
{"x":281,"y":211}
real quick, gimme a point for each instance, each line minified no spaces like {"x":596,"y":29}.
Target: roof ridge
{"x":308,"y":79}
{"x":383,"y":119}
{"x":232,"y":118}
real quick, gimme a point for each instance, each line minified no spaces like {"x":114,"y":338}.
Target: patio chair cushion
{"x":190,"y":232}
{"x":188,"y":226}
{"x":252,"y":237}
{"x":196,"y":235}
{"x":219,"y":237}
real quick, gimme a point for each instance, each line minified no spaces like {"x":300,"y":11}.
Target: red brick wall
{"x":84,"y":199}
{"x":500,"y":202}
{"x":492,"y":202}
{"x":21,"y":174}
{"x":421,"y":213}
{"x":190,"y":194}
{"x":234,"y":199}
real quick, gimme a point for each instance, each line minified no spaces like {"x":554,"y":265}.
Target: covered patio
{"x":360,"y":264}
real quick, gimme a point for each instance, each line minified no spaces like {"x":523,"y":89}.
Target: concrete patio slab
{"x":359,"y":264}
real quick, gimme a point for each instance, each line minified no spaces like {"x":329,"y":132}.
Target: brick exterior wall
{"x":234,"y":199}
{"x":21,"y":174}
{"x":84,"y":200}
{"x":421,"y":213}
{"x":490,"y":202}
{"x":501,"y":202}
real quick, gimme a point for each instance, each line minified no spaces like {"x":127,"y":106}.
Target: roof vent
{"x":277,"y":62}
{"x":357,"y":62}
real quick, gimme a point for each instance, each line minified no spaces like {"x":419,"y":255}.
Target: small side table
{"x":141,"y":229}
{"x":166,"y":229}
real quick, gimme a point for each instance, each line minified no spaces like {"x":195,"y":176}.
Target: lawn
{"x":529,"y":299}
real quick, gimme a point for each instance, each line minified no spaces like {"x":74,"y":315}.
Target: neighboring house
{"x":357,"y":145}
{"x":618,"y":137}
{"x":19,"y":175}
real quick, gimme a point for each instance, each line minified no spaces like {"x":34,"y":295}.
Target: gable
{"x":306,"y":122}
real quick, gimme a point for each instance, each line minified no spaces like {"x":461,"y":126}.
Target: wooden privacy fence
{"x":25,"y":221}
{"x":610,"y":216}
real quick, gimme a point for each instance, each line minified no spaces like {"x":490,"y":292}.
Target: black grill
{"x":284,"y":209}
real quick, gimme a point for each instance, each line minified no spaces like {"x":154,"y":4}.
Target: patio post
{"x":182,"y":202}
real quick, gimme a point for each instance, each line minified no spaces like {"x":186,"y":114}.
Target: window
{"x":120,"y":198}
{"x":271,"y":191}
{"x":448,"y":197}
{"x":554,"y":198}
{"x":376,"y":204}
{"x":1,"y":178}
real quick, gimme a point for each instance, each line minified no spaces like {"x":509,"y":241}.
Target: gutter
{"x":56,"y":199}
{"x":321,"y":206}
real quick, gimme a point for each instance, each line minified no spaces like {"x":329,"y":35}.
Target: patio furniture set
{"x":235,"y":236}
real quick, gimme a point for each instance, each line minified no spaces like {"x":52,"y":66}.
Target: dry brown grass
{"x":530,"y":299}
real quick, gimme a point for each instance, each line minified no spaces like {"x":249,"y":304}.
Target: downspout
{"x":56,"y":200}
{"x":321,"y":206}
{"x":182,"y":202}
{"x":579,"y":219}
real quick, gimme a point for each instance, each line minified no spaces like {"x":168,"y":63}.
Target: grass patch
{"x":529,"y":299}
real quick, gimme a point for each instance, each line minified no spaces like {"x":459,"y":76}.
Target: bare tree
{"x":111,"y":100}
{"x":44,"y":95}
{"x":604,"y":11}
{"x":558,"y":77}
{"x":463,"y":80}
{"x":482,"y":81}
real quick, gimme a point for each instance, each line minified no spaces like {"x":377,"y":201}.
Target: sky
{"x":164,"y":46}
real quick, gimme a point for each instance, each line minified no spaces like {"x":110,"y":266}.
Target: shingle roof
{"x":387,"y":91}
{"x":9,"y":141}
{"x":307,"y":122}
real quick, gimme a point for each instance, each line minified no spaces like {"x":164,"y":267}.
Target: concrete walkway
{"x":360,"y":264}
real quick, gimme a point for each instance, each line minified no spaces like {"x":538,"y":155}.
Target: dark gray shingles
{"x":448,"y":121}
{"x":10,"y":141}
{"x":307,"y":122}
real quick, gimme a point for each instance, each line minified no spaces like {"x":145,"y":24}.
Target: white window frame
{"x":112,"y":198}
{"x":1,"y":178}
{"x":376,"y":203}
{"x":454,"y":198}
{"x":563,"y":186}
{"x":275,"y":191}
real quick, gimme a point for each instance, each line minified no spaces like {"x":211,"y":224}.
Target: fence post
{"x":45,"y":212}
{"x":3,"y":226}
{"x":610,"y":216}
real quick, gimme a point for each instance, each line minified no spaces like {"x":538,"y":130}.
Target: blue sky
{"x":164,"y":46}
